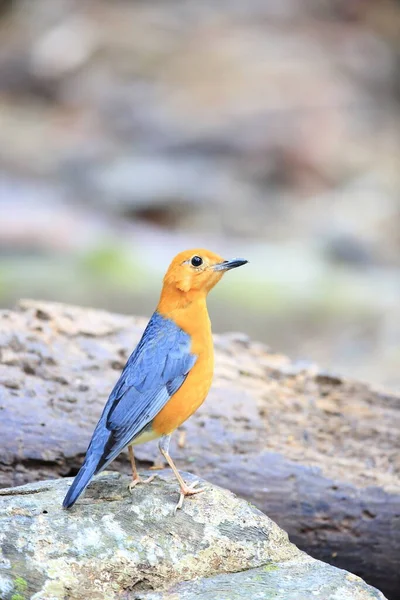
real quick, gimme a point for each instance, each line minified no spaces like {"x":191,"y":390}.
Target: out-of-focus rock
{"x":134,"y":184}
{"x":283,"y":101}
{"x":63,"y":49}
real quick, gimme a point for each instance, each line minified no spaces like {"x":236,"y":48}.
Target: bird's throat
{"x":187,"y":310}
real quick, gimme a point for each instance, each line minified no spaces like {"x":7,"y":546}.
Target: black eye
{"x":196,"y":261}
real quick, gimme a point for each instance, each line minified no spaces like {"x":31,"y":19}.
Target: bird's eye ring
{"x":196,"y":261}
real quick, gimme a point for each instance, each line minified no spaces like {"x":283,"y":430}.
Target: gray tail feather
{"x":80,"y":482}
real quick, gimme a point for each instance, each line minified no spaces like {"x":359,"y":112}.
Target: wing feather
{"x":153,"y":373}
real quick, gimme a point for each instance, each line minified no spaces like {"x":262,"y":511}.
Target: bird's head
{"x":195,"y":272}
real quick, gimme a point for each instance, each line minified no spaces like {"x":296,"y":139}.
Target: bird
{"x":166,"y":378}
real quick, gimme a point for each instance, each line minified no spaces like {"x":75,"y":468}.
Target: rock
{"x":116,"y":545}
{"x":136,"y":183}
{"x":316,"y":452}
{"x":64,"y":48}
{"x":280,"y":582}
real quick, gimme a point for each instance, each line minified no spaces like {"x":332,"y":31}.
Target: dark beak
{"x":230,"y":264}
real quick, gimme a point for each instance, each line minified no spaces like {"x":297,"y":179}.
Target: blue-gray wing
{"x":154,"y":372}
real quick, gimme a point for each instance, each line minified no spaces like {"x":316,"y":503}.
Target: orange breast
{"x":188,"y":398}
{"x":195,"y":321}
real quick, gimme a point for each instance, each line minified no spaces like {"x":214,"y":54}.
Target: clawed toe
{"x":138,"y":480}
{"x":187,"y":490}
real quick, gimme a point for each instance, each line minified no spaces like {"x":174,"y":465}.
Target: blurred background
{"x":269,"y":129}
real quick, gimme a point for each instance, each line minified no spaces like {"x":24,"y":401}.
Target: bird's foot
{"x":137,"y":480}
{"x":187,"y":490}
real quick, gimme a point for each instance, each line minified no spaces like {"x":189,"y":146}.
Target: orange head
{"x":193,"y":273}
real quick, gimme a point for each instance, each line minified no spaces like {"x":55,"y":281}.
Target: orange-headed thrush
{"x":168,"y":375}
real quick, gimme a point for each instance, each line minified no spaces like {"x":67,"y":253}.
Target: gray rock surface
{"x":116,"y":545}
{"x":285,"y":436}
{"x":291,"y":580}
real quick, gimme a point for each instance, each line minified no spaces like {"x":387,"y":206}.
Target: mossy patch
{"x":20,"y":587}
{"x":270,"y":567}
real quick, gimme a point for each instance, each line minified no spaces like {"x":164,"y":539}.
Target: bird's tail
{"x":81,"y":481}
